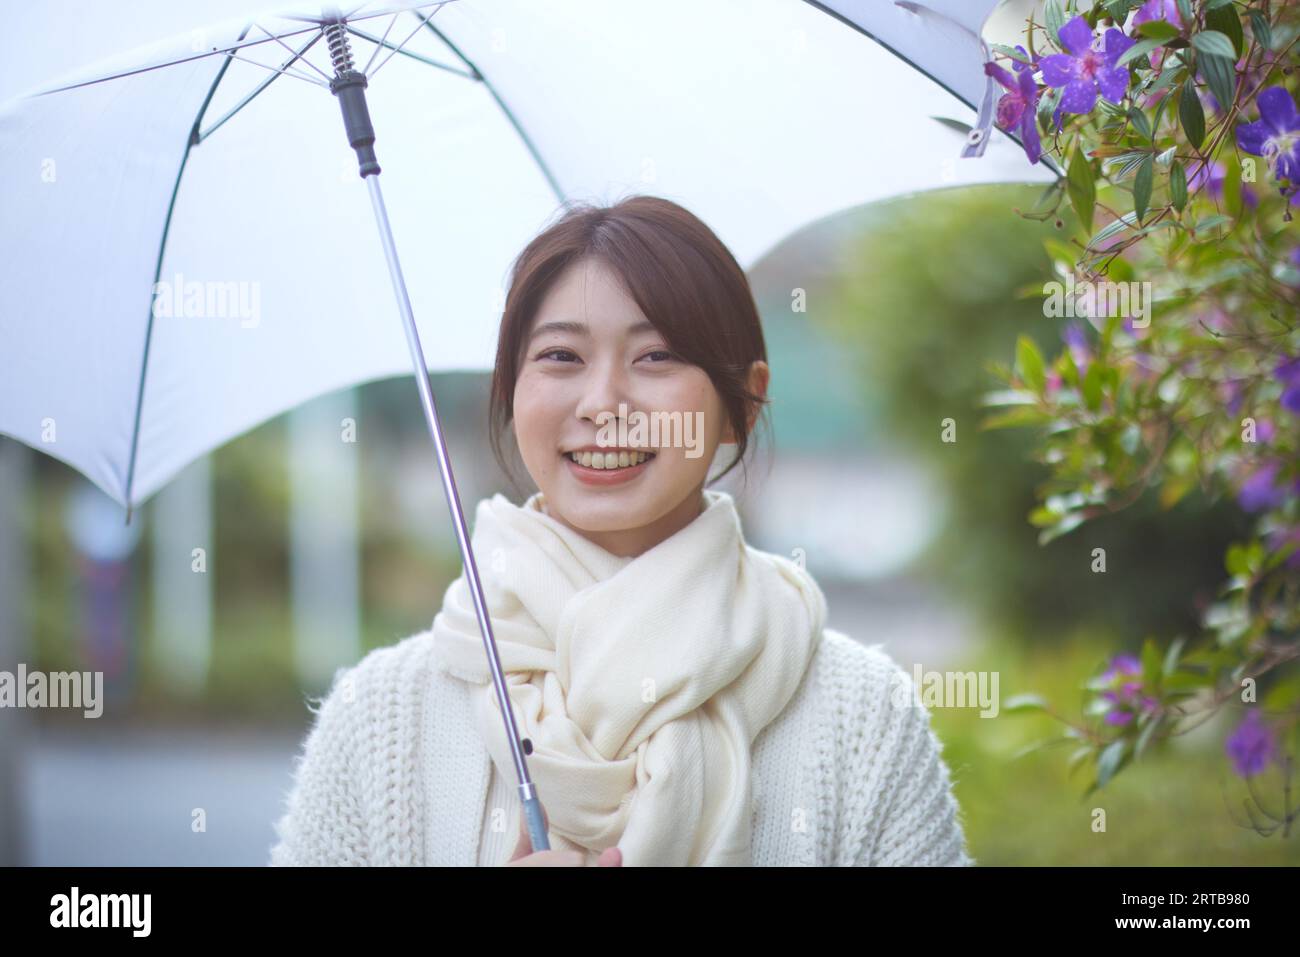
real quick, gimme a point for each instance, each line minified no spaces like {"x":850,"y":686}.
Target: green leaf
{"x":1171,"y":657}
{"x":1142,"y":188}
{"x":1211,"y":222}
{"x":1215,"y":43}
{"x":1119,"y":167}
{"x":1016,"y":417}
{"x":1151,"y":662}
{"x":1092,"y":380}
{"x":1238,"y":560}
{"x":1077,"y":757}
{"x":1144,"y":738}
{"x":1112,"y":228}
{"x":1178,"y":186}
{"x":1191,"y":115}
{"x":1140,"y":123}
{"x":1029,"y":362}
{"x":1139,"y":49}
{"x":1054,"y":16}
{"x":1215,"y":4}
{"x":1158,"y":30}
{"x":1224,"y":19}
{"x":1010,"y":52}
{"x":1217,"y":71}
{"x":1009,"y":397}
{"x":1110,"y":761}
{"x":1185,"y":10}
{"x":1067,"y":523}
{"x":1259,"y":26}
{"x":1024,"y":702}
{"x":1082,"y":187}
{"x":962,"y":128}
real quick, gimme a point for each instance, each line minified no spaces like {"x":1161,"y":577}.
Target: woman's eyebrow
{"x":561,"y":325}
{"x":582,"y":329}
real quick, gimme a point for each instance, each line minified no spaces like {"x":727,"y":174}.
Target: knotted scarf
{"x":641,"y":681}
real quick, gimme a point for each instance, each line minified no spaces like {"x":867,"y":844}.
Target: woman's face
{"x":590,"y":349}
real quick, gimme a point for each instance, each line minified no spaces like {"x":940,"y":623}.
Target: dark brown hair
{"x":678,"y":273}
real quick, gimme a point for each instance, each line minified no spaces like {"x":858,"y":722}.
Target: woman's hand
{"x":524,"y":857}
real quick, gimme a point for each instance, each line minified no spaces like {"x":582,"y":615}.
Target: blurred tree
{"x":932,"y":299}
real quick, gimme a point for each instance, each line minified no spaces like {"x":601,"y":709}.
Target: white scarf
{"x":642,"y":682}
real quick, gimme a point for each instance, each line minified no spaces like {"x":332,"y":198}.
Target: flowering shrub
{"x":1177,"y":128}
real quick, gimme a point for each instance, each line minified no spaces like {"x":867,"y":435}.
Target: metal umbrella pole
{"x":349,"y":85}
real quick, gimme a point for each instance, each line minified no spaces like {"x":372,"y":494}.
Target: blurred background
{"x":324,"y":534}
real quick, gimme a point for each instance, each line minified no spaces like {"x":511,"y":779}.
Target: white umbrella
{"x":188,"y":253}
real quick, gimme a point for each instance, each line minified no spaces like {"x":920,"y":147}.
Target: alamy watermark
{"x":57,"y":689}
{"x":178,"y":299}
{"x":1094,"y":300}
{"x":646,"y":429}
{"x":947,"y":689}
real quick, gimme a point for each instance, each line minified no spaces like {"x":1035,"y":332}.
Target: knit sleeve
{"x":323,"y":822}
{"x":920,"y":820}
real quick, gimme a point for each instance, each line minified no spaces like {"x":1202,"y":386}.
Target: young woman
{"x":684,"y":701}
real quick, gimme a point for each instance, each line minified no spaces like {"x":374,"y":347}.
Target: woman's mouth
{"x":607,"y":468}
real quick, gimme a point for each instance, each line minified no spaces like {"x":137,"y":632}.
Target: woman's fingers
{"x":610,"y":857}
{"x":551,"y":859}
{"x":524,"y":855}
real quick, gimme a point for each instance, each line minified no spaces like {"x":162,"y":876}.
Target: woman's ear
{"x":759,"y":376}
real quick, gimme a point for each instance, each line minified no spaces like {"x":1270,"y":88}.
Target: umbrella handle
{"x":536,"y":823}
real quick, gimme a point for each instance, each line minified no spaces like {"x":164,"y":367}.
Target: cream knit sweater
{"x":392,"y":771}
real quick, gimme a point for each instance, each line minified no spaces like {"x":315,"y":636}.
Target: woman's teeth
{"x":610,"y":460}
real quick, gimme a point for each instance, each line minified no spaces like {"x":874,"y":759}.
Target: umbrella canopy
{"x":190,"y":252}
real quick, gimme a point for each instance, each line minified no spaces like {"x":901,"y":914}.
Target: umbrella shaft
{"x":526,"y":789}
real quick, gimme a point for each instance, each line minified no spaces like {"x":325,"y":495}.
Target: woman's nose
{"x":603,"y":388}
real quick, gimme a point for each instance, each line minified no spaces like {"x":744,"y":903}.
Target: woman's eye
{"x":667,"y":356}
{"x":555,"y":353}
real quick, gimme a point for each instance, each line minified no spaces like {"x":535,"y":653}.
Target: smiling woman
{"x":682,"y":699}
{"x":637,"y":306}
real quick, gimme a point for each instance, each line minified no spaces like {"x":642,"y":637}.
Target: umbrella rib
{"x":382,"y":42}
{"x":226,"y":51}
{"x":293,"y":73}
{"x":294,"y":56}
{"x":157,"y":272}
{"x":201,"y":136}
{"x":509,"y":115}
{"x":429,"y":61}
{"x":237,"y":45}
{"x":397,"y":49}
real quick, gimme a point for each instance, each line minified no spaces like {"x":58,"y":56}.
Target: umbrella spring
{"x":336,"y":35}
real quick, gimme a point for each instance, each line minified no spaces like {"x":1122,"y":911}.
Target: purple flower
{"x":1282,"y":536}
{"x":1078,"y":343}
{"x":1288,"y":372}
{"x":1018,"y":108}
{"x":1122,"y":664}
{"x":1084,"y":70}
{"x":1125,"y":694}
{"x":1275,"y":135}
{"x":1260,"y":491}
{"x":1166,"y":10}
{"x":1211,"y":176}
{"x":1252,"y":746}
{"x":1232,"y":389}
